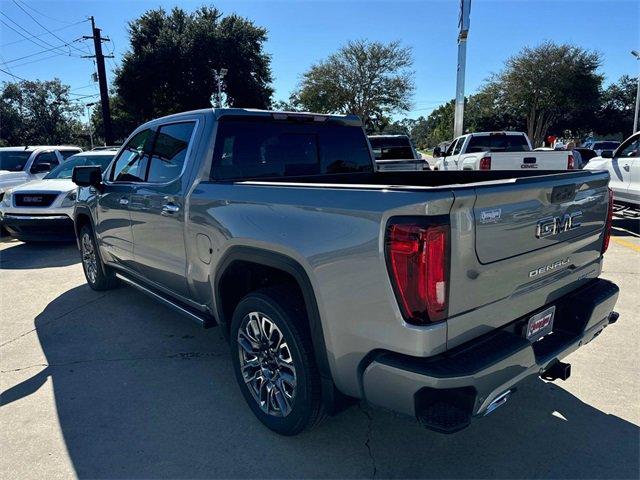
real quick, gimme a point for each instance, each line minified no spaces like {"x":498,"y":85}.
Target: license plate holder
{"x":540,"y":324}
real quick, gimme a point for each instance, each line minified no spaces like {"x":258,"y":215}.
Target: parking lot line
{"x":626,"y":243}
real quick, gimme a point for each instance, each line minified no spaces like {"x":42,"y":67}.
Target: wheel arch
{"x":253,"y":257}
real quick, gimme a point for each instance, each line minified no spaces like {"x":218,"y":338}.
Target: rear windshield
{"x":605,"y":145}
{"x":391,"y":148}
{"x":14,"y":161}
{"x":255,"y":148}
{"x":65,"y":169}
{"x":498,"y":143}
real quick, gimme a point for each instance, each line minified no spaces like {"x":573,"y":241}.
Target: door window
{"x":169,"y":152}
{"x":47,"y":157}
{"x":456,"y":150}
{"x":131,"y":164}
{"x":631,"y":149}
{"x":451,"y":147}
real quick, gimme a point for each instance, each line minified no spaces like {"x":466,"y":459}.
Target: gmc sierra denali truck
{"x":428,"y":293}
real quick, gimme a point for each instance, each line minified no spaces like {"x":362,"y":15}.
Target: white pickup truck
{"x":500,"y":151}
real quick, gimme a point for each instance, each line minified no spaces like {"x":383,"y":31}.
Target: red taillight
{"x":607,"y":227}
{"x":418,"y":262}
{"x":571,"y":165}
{"x":485,"y":163}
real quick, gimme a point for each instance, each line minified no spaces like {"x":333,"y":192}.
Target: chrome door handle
{"x":626,"y":167}
{"x":124,"y":201}
{"x":169,"y":209}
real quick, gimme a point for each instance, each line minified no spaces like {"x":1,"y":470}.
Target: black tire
{"x":287,"y":313}
{"x":99,"y":276}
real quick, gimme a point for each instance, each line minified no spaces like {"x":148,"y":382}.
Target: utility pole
{"x":636,"y":54}
{"x":463,"y":31}
{"x":102,"y":80}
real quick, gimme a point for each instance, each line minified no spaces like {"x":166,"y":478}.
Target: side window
{"x":456,"y":150}
{"x":46,"y":157}
{"x":131,"y":164}
{"x":67,"y":153}
{"x":632,"y":149}
{"x":451,"y":147}
{"x":169,"y":151}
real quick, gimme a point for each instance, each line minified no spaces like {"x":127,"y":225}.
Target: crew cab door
{"x":447,"y":161}
{"x":624,"y":170}
{"x":112,"y":210}
{"x":157,"y":209}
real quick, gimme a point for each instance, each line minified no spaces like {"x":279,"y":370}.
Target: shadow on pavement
{"x":24,"y":256}
{"x":141,"y":393}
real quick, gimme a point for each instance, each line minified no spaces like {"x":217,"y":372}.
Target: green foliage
{"x":170,"y":65}
{"x":549,"y":86}
{"x":615,"y":116}
{"x":38,"y":113}
{"x":122,"y":122}
{"x":369,"y":79}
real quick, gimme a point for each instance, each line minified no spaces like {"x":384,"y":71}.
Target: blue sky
{"x":301,"y":32}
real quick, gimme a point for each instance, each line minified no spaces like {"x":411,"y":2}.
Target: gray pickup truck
{"x":428,"y":293}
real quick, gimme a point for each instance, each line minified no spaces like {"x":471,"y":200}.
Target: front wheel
{"x":273,"y":361}
{"x":99,"y":276}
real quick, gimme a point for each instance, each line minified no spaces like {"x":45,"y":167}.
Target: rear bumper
{"x":34,"y":228}
{"x":445,"y":391}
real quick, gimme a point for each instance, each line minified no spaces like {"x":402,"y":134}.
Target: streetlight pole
{"x":636,"y":54}
{"x":463,"y":32}
{"x":219,"y":77}
{"x":89,"y":120}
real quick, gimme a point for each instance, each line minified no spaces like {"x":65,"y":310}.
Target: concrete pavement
{"x":114,"y":385}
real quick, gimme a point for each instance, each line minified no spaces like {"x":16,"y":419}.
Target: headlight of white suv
{"x":6,"y":198}
{"x":70,"y":199}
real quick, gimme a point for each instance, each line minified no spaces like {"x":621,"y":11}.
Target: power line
{"x":45,"y":51}
{"x":42,"y":34}
{"x":40,"y":43}
{"x":48,"y":16}
{"x":14,"y":76}
{"x":41,"y":25}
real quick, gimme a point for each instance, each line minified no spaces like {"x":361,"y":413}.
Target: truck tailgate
{"x":521,"y":245}
{"x":538,"y":160}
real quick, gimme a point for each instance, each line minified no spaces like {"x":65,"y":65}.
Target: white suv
{"x":20,"y":165}
{"x":42,"y":210}
{"x":624,"y":167}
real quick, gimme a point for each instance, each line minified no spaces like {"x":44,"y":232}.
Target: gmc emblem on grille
{"x":32,"y":199}
{"x":555,"y":225}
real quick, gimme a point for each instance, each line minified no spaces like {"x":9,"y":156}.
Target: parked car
{"x":601,"y":146}
{"x":42,"y":210}
{"x":500,"y":151}
{"x":586,"y":154}
{"x":396,"y":153}
{"x":20,"y":165}
{"x":431,"y":295}
{"x":623,"y":166}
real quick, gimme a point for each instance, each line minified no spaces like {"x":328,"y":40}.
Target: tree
{"x":549,"y":86}
{"x":615,"y":116}
{"x":172,"y":58}
{"x":37,"y":112}
{"x":122,"y":122}
{"x":369,"y":79}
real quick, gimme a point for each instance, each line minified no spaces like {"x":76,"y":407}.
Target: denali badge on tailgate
{"x":549,"y":267}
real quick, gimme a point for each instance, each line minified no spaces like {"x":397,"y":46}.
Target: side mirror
{"x":41,"y":167}
{"x":89,"y":176}
{"x":437,"y":152}
{"x":607,"y":154}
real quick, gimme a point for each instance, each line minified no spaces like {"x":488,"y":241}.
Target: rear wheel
{"x":98,"y":275}
{"x":273,"y":361}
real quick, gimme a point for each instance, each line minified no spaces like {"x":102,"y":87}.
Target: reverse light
{"x":418,"y":264}
{"x":608,"y":225}
{"x":485,"y":163}
{"x":571,"y":164}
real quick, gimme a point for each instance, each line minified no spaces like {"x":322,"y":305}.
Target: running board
{"x":200,"y":318}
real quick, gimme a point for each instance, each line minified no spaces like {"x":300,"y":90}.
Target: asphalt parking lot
{"x":114,"y":385}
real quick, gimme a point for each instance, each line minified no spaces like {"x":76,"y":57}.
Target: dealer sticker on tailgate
{"x":540,"y":324}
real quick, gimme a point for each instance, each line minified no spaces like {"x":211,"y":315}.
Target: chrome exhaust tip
{"x":498,"y":402}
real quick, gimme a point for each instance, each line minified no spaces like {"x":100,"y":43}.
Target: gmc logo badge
{"x":555,"y":225}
